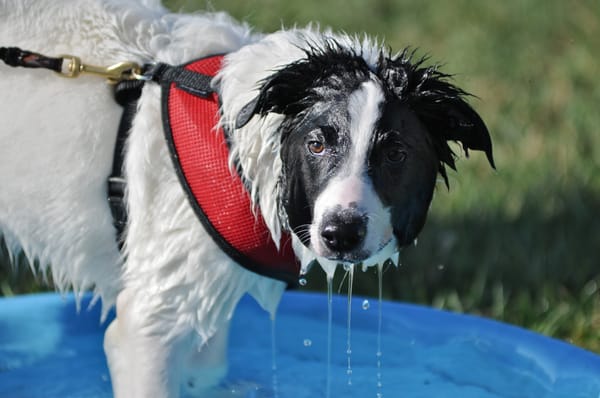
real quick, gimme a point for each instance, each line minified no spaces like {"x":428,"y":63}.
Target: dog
{"x":337,"y":142}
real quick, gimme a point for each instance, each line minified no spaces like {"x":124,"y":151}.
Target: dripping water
{"x":379,"y":317}
{"x":350,"y":270}
{"x":329,"y":268}
{"x":329,"y":331}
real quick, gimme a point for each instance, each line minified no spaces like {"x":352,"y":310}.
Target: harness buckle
{"x":116,"y":193}
{"x":114,"y":73}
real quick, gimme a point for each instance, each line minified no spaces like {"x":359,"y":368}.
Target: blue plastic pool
{"x":47,"y":350}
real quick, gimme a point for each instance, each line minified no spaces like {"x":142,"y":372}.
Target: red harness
{"x":200,"y":154}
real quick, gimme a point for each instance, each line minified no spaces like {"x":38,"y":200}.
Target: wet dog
{"x":338,"y":143}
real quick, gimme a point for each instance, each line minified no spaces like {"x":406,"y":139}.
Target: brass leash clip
{"x":114,"y":73}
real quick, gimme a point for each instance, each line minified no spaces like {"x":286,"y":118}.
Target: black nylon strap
{"x":14,"y":56}
{"x":127,"y":93}
{"x":192,"y":82}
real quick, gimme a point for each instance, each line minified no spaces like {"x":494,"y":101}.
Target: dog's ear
{"x":285,"y":92}
{"x":294,"y":88}
{"x":453,"y":119}
{"x":439,"y":105}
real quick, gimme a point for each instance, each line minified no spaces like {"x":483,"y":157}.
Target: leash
{"x":128,"y":81}
{"x":69,"y":65}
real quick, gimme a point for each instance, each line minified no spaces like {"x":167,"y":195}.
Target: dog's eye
{"x":395,"y":155}
{"x":316,"y":147}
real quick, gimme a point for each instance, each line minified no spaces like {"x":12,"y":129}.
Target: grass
{"x":518,"y":244}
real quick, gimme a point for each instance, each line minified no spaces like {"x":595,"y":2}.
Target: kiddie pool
{"x":48,"y":350}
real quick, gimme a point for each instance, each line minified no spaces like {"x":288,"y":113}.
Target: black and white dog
{"x":338,"y":142}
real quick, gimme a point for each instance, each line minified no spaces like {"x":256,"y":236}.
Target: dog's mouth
{"x":387,"y":253}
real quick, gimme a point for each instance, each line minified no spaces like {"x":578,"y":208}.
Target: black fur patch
{"x":439,"y":105}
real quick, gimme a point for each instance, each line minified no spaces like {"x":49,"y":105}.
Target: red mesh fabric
{"x":202,"y":154}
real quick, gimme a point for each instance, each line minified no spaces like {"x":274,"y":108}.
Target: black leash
{"x":14,"y":56}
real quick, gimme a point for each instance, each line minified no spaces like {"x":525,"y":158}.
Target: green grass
{"x":518,"y":244}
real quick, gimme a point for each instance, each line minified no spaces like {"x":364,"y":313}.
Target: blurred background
{"x":519,"y":244}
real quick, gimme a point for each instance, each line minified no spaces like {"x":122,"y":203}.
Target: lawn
{"x":518,"y":244}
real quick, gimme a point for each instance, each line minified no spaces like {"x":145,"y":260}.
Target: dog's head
{"x":361,"y":147}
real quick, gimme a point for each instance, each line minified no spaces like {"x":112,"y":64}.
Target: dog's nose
{"x":344,"y":234}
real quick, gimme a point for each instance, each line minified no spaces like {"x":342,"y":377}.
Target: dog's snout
{"x":345,"y":232}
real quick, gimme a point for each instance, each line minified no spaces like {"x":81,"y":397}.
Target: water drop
{"x":365,"y":305}
{"x":307,"y":342}
{"x":329,"y":329}
{"x":302,"y":281}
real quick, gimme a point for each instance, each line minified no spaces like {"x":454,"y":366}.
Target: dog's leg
{"x":147,"y":362}
{"x":142,"y":361}
{"x":206,"y":365}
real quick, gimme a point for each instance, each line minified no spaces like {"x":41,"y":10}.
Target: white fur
{"x":364,"y":108}
{"x":174,"y":290}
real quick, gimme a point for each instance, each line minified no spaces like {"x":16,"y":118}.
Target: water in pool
{"x":47,"y":350}
{"x":378,"y":349}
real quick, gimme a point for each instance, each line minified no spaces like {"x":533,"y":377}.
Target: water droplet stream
{"x":379,"y":317}
{"x":349,"y":332}
{"x":329,"y":331}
